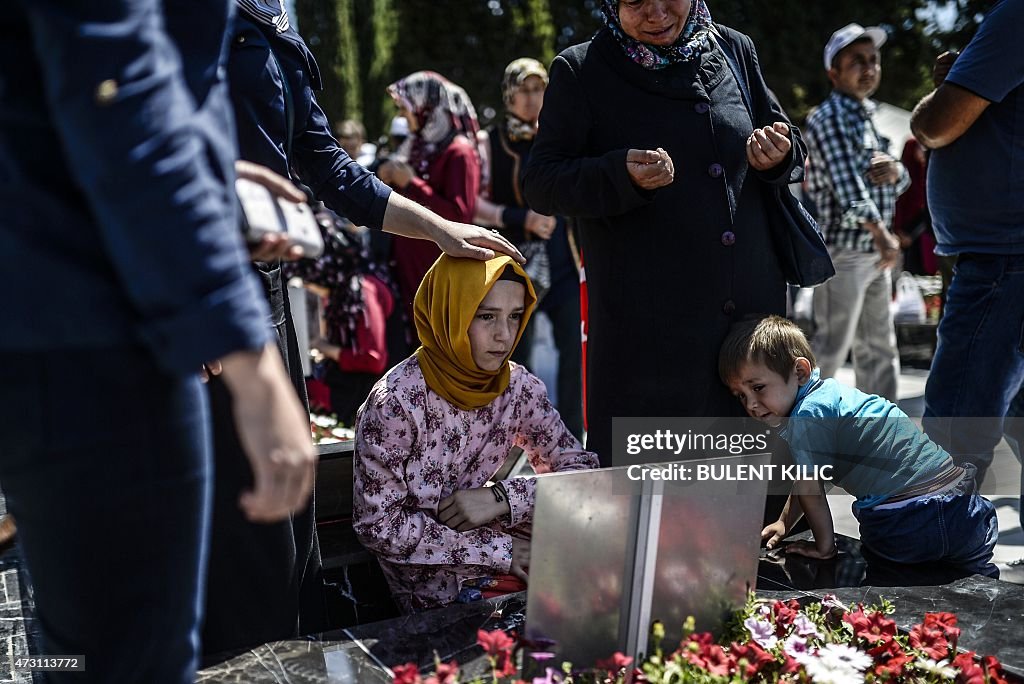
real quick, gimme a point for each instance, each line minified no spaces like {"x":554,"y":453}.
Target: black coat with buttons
{"x":668,"y":270}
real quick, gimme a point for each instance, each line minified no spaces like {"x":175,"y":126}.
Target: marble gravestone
{"x":614,"y":549}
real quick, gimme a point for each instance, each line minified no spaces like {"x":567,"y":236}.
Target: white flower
{"x":837,"y":656}
{"x":761,"y":631}
{"x":795,"y":646}
{"x":940,"y":668}
{"x":805,"y":628}
{"x":820,"y":673}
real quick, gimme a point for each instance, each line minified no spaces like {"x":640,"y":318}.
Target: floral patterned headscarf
{"x":689,"y":45}
{"x":442,"y":110}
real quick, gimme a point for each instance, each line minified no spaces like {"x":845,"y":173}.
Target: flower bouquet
{"x":767,"y":641}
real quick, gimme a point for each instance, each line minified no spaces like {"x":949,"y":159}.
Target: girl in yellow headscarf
{"x":437,"y":428}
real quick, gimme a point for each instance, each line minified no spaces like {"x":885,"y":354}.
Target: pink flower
{"x":761,"y":631}
{"x":494,"y":642}
{"x":407,"y":674}
{"x":447,"y":673}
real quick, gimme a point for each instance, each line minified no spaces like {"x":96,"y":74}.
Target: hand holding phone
{"x":265,"y":214}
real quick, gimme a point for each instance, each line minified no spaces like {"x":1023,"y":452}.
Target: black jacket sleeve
{"x":561,"y":178}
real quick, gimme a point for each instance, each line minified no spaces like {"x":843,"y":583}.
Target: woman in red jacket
{"x":437,"y":166}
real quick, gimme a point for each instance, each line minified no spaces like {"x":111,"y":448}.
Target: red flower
{"x":785,"y":613}
{"x":789,"y":664}
{"x":871,"y":628}
{"x":756,"y":658}
{"x":617,"y":662}
{"x":969,"y":671}
{"x":447,"y":673}
{"x":944,"y":622}
{"x":931,"y":642}
{"x":890,"y":660}
{"x":886,"y":649}
{"x":496,"y":642}
{"x":407,"y":674}
{"x":718,"y":662}
{"x":993,"y":670}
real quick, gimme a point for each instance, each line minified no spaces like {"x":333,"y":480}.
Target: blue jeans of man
{"x":973,"y":396}
{"x":105,"y":463}
{"x":957,"y":528}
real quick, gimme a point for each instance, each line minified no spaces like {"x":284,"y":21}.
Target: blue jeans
{"x":957,"y":528}
{"x":105,"y":462}
{"x":978,"y":370}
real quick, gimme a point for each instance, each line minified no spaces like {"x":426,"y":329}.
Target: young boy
{"x":914,"y":505}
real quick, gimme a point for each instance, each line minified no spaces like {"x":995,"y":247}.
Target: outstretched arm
{"x":814,"y":503}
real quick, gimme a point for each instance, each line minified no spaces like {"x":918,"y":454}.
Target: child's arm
{"x":811,"y":495}
{"x":777,"y":531}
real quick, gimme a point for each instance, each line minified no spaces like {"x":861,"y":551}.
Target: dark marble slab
{"x":299,"y":662}
{"x":366,"y":653}
{"x":447,"y":633}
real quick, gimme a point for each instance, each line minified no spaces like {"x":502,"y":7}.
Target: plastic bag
{"x":909,"y":304}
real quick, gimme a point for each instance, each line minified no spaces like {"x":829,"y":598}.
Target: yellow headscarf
{"x":445,"y":305}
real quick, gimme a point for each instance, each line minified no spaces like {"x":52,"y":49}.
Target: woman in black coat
{"x":645,"y":138}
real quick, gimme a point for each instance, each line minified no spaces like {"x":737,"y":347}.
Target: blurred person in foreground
{"x":273,"y":78}
{"x":972,"y":124}
{"x":116,"y":154}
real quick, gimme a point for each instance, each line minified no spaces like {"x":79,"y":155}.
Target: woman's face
{"x":655,"y":22}
{"x":407,"y":114}
{"x":496,"y":324}
{"x":528,"y":99}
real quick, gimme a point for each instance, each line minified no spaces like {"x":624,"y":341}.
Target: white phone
{"x":265,"y":214}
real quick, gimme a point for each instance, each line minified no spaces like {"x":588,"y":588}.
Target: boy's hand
{"x":773,"y":534}
{"x":810,"y":550}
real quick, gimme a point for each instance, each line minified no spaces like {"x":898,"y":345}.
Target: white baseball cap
{"x":849,"y":34}
{"x":399,"y":126}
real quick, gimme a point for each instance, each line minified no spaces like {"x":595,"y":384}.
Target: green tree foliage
{"x":362,"y":45}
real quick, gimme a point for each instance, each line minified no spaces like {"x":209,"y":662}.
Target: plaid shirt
{"x":841,"y":139}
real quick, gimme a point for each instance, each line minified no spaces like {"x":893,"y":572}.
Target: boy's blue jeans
{"x":974,"y":393}
{"x":957,"y":528}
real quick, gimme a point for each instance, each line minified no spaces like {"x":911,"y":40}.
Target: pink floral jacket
{"x":413,"y":449}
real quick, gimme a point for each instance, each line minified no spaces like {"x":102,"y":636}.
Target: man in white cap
{"x":854,"y":182}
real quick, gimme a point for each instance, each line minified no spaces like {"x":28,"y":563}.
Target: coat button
{"x":240,"y":40}
{"x":729,"y":307}
{"x":702,"y":107}
{"x":106,"y":92}
{"x":728,"y":238}
{"x":715,"y":170}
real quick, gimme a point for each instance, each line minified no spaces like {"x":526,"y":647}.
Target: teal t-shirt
{"x":874,"y":448}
